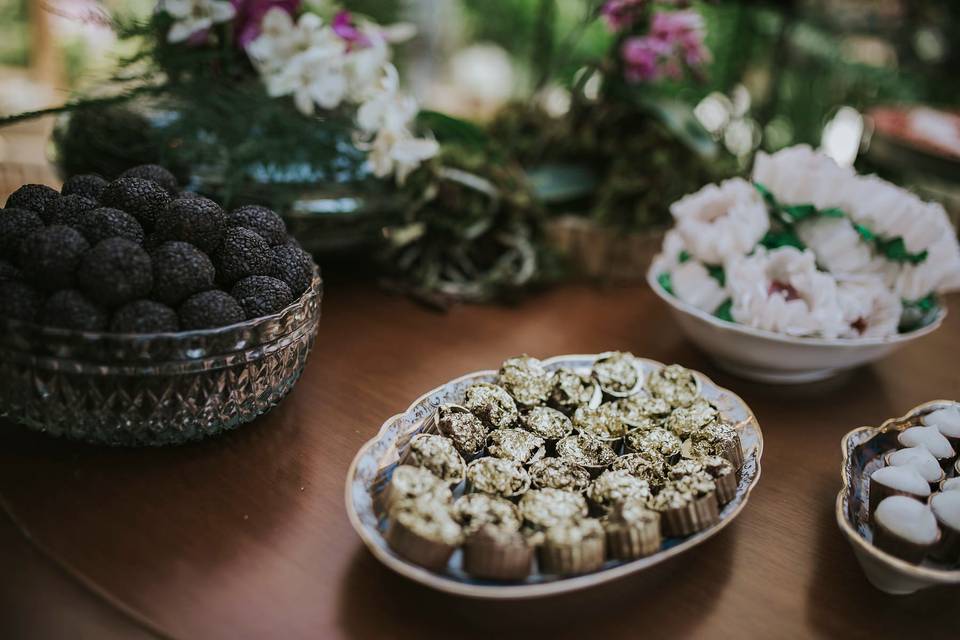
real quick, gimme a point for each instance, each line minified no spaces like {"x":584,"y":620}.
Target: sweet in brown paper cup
{"x":726,"y":488}
{"x":629,"y":541}
{"x":948,"y":549}
{"x":734,"y":452}
{"x":493,"y":559}
{"x":572,"y":559}
{"x":934,"y":486}
{"x":430,"y":554}
{"x":695,"y":516}
{"x":895,"y":545}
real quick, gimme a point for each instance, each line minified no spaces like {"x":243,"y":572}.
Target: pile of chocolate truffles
{"x":914,"y":499}
{"x":558,"y":472}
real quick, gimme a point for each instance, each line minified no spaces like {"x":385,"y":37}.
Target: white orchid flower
{"x":313,"y":78}
{"x":193,"y":16}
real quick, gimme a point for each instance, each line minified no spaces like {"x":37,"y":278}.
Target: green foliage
{"x":918,"y":313}
{"x":782,"y":238}
{"x":783,"y":218}
{"x":717,"y":273}
{"x":634,"y":162}
{"x":450,"y":130}
{"x":723,"y":311}
{"x":665,"y":280}
{"x":470,"y":231}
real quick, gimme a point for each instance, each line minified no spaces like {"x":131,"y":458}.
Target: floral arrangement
{"x":655,"y":40}
{"x":625,"y":147}
{"x":809,"y":248}
{"x":322,"y":65}
{"x":262,"y":101}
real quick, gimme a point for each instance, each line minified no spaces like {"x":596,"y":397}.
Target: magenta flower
{"x":250,"y":16}
{"x":344,"y":26}
{"x":621,"y":14}
{"x":641,"y":56}
{"x":675,"y":39}
{"x":684,"y":31}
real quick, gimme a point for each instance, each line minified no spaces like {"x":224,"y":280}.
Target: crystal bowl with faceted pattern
{"x":153,"y":389}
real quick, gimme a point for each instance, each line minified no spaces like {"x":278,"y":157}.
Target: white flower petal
{"x":693,"y":284}
{"x":837,"y":245}
{"x":221,"y":11}
{"x":870,"y":310}
{"x":782,"y":291}
{"x":179,"y":9}
{"x":180,"y":31}
{"x":399,"y":32}
{"x":303,"y":101}
{"x":718,"y":223}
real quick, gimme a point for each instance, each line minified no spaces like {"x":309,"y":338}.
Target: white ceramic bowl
{"x":863,"y":451}
{"x":772,"y":357}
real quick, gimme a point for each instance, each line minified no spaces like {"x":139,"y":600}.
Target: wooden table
{"x":246,"y":535}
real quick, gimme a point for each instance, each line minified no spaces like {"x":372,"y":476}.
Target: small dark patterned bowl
{"x":153,"y":389}
{"x":863,"y":451}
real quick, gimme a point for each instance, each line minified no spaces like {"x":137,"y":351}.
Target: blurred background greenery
{"x":782,"y":72}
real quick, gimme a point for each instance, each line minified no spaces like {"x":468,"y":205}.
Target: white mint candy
{"x":946,"y":507}
{"x":907,"y":518}
{"x":929,"y":438}
{"x":947,"y":421}
{"x":906,"y":479}
{"x":917,"y":458}
{"x":953,"y":484}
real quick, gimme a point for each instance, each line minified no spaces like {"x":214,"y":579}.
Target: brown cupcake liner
{"x":696,"y":516}
{"x":948,"y":549}
{"x":880,"y":491}
{"x":734,"y":452}
{"x":629,"y":542}
{"x":891,"y":543}
{"x":569,"y":560}
{"x":491,"y":561}
{"x":726,"y":488}
{"x":427,"y":553}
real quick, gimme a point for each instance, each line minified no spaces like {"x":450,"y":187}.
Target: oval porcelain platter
{"x":371,"y":469}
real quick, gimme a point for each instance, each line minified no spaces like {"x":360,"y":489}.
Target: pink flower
{"x":685,"y":31}
{"x":344,"y":27}
{"x":675,"y":39}
{"x":621,"y":14}
{"x":250,"y":15}
{"x":641,"y":56}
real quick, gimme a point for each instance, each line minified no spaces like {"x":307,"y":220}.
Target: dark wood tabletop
{"x":246,"y":535}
